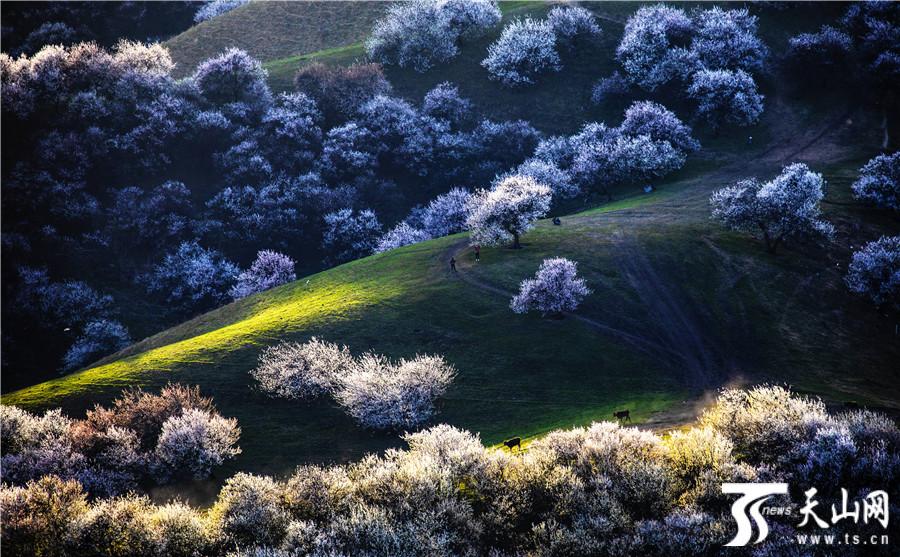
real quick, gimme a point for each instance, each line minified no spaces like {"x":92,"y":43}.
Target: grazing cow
{"x":623,"y":415}
{"x":514,"y":442}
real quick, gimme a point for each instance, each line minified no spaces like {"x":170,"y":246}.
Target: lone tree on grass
{"x":507,"y":211}
{"x":554,"y":289}
{"x":786,"y":207}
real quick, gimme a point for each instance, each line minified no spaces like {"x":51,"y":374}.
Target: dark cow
{"x":622,"y":415}
{"x":514,"y":442}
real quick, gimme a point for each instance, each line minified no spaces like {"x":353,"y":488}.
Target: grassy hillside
{"x":274,"y":29}
{"x":711,"y":306}
{"x":561,"y":102}
{"x":680,"y":306}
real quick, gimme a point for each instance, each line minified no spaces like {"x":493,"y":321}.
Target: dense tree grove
{"x":786,"y":207}
{"x":650,"y":143}
{"x":602,"y":490}
{"x":142,"y":438}
{"x":874,"y":272}
{"x":709,"y":55}
{"x":213,"y":168}
{"x":423,"y":33}
{"x":555,"y":288}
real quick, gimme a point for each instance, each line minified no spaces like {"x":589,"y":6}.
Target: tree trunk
{"x":516,"y":244}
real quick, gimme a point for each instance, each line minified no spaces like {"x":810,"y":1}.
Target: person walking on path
{"x":453,"y":264}
{"x":477,"y":253}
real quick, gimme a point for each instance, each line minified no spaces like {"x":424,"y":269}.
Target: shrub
{"x":554,"y":289}
{"x":383,"y":395}
{"x":874,"y":271}
{"x":765,"y":423}
{"x":619,"y":159}
{"x":38,"y":518}
{"x":525,"y":50}
{"x":269,"y":269}
{"x":295,"y":370}
{"x":350,"y":234}
{"x":118,"y":527}
{"x":156,"y":216}
{"x":339,"y":91}
{"x":289,"y":132}
{"x":192,"y":277}
{"x":194,"y":442}
{"x":145,"y":413}
{"x":879,"y":182}
{"x":507,"y":211}
{"x":724,"y":96}
{"x":573,"y":26}
{"x":180,"y":531}
{"x":60,"y":304}
{"x":415,"y":34}
{"x":249,"y":511}
{"x":100,"y":338}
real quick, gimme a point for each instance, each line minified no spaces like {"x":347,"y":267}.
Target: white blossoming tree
{"x":555,"y":288}
{"x":269,"y":270}
{"x":194,"y":442}
{"x":525,"y":50}
{"x":384,"y":395}
{"x":447,"y":213}
{"x":507,"y":211}
{"x":874,"y":271}
{"x":401,"y":235}
{"x":783,"y":208}
{"x":879,"y":182}
{"x":726,"y":97}
{"x":301,"y":370}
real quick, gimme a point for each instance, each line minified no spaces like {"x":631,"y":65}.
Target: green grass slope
{"x":658,"y":268}
{"x":275,"y":29}
{"x":680,"y":306}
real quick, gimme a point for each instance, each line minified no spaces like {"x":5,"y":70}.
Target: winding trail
{"x":667,"y":352}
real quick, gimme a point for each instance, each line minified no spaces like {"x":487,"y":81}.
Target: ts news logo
{"x":752,"y":495}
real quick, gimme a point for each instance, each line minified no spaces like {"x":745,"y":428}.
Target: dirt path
{"x":674,"y":322}
{"x":643,"y":343}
